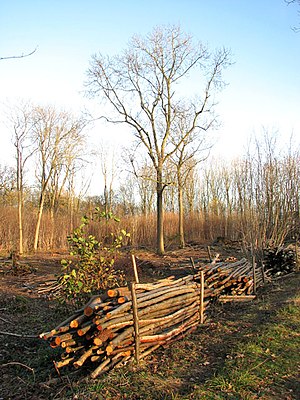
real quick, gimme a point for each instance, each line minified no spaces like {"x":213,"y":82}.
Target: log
{"x":107,"y":330}
{"x":238,"y":298}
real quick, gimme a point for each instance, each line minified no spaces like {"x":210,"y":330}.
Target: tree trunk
{"x":180,"y":211}
{"x":20,"y":217}
{"x":52,"y":222}
{"x":38,"y":223}
{"x":20,"y":199}
{"x":160,"y":215}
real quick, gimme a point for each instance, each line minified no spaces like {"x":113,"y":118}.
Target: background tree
{"x":145,"y":177}
{"x":7,"y":185}
{"x":58,"y":137}
{"x":185,"y":159}
{"x":142,"y":86}
{"x":21,"y":120}
{"x":108,"y":164}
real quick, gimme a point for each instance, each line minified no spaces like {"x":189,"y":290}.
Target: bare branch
{"x":19,"y":56}
{"x":141,"y":86}
{"x":20,"y":335}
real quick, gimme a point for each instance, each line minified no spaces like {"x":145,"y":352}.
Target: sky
{"x":263,"y":83}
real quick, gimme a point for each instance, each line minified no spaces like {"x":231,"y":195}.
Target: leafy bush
{"x":92,"y":266}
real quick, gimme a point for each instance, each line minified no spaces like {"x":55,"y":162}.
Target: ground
{"x":26,"y":366}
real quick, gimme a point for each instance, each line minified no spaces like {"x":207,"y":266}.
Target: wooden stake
{"x":296,"y":254}
{"x":136,"y":277}
{"x":254,"y":272}
{"x":209,"y":254}
{"x":262,"y":272}
{"x":201,"y":297}
{"x":135,"y":323}
{"x":193,"y":265}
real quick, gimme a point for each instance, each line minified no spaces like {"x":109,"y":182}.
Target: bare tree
{"x":7,"y":185}
{"x":22,"y":125}
{"x":142,"y":86}
{"x":108,"y":164}
{"x":185,"y":159}
{"x":191,"y":190}
{"x":146,"y":187}
{"x":127,"y":196}
{"x":59,"y":140}
{"x":145,"y":176}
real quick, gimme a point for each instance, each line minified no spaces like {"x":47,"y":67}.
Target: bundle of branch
{"x":102,"y":332}
{"x":230,"y":278}
{"x":279,"y":261}
{"x":51,"y":288}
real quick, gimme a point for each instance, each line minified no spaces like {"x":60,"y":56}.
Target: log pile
{"x":279,"y":261}
{"x":230,"y":278}
{"x":51,"y":289}
{"x":122,"y":324}
{"x":104,"y":332}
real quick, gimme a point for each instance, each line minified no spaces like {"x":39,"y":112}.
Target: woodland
{"x":255,"y":198}
{"x":165,"y":188}
{"x":168,"y":202}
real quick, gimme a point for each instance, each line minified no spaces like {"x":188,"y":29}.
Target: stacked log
{"x":103,"y":332}
{"x":230,"y":278}
{"x":51,"y":289}
{"x":122,"y":324}
{"x":279,"y":261}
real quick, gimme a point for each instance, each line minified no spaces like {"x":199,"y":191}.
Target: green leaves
{"x":92,"y":267}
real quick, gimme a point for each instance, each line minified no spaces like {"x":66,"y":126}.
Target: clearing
{"x":244,"y":351}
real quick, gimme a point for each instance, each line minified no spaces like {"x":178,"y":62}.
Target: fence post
{"x":193,"y":265}
{"x":136,"y":277}
{"x":254,"y":271}
{"x":201,"y":297}
{"x":135,"y":323}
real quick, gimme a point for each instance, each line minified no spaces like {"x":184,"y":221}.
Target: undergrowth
{"x":91,"y":268}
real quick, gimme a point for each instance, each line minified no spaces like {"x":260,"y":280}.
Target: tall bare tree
{"x":58,"y":137}
{"x":20,"y":119}
{"x":143,"y":87}
{"x":192,"y":149}
{"x":146,"y":187}
{"x":109,"y":164}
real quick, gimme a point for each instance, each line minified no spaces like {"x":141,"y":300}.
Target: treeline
{"x":162,"y":189}
{"x":254,"y":200}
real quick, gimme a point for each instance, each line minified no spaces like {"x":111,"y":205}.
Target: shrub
{"x":91,"y":268}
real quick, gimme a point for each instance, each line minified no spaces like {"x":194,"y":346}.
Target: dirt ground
{"x":27,"y":372}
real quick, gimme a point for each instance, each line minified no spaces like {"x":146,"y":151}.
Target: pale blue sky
{"x":264,"y":82}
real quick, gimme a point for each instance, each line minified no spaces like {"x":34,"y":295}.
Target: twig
{"x":6,"y":321}
{"x":19,"y":335}
{"x":259,"y":364}
{"x":22,"y":365}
